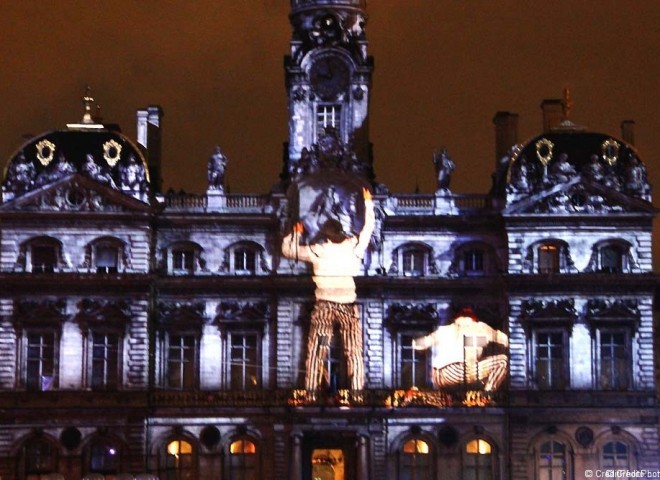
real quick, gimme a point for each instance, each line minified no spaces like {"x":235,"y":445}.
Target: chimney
{"x":506,"y":133}
{"x":628,"y":131}
{"x":553,"y":113}
{"x":149,"y":136}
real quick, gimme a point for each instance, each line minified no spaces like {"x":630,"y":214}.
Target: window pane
{"x":615,"y":455}
{"x":106,"y":259}
{"x":473,"y":261}
{"x":415,"y":460}
{"x":104,"y":459}
{"x":38,"y":457}
{"x":244,"y":361}
{"x":413,"y":262}
{"x":44,"y":258}
{"x":40,"y":371}
{"x":548,"y":259}
{"x":413,"y":364}
{"x":550,"y":369}
{"x":614,"y":365}
{"x":105,"y":361}
{"x":611,"y":259}
{"x":244,"y":260}
{"x":552,"y":461}
{"x":328,"y":116}
{"x":177,"y":461}
{"x":183,"y":260}
{"x":182,"y":366}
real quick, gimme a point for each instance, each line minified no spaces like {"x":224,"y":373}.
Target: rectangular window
{"x":550,"y":360}
{"x":327,"y":116}
{"x":413,"y":262}
{"x":43,"y":258}
{"x":106,"y":259}
{"x":548,"y":259}
{"x":182,"y":362}
{"x":244,"y":261}
{"x":183,"y":260}
{"x":473,"y":261}
{"x":414,"y":364}
{"x":614,"y":365}
{"x":244,"y":363}
{"x":40,"y":371}
{"x":105,"y":361}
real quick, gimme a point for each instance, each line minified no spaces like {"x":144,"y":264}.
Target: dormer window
{"x":473,"y":261}
{"x":245,"y":260}
{"x":412,"y":262}
{"x":106,"y":259}
{"x":548,"y":259}
{"x":185,"y":258}
{"x":611,"y":259}
{"x":43,"y":258}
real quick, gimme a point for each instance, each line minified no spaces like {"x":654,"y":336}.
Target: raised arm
{"x":291,"y":247}
{"x":369,"y":222}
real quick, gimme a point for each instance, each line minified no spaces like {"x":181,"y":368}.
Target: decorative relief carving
{"x":173,"y":311}
{"x":46,"y":310}
{"x":548,"y":309}
{"x":598,"y":308}
{"x":228,"y":311}
{"x":412,"y":313}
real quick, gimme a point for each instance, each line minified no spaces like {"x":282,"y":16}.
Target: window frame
{"x":180,"y":469}
{"x":104,"y":447}
{"x":628,"y":456}
{"x":487,"y":471}
{"x":336,"y":115}
{"x":564,"y":370}
{"x":232,"y":334}
{"x":626,"y":360}
{"x":246,"y":461}
{"x":541,"y":456}
{"x":30,"y":473}
{"x":117,"y":369}
{"x":424,"y":357}
{"x":31,"y":384}
{"x":407,"y":461}
{"x":185,"y":382}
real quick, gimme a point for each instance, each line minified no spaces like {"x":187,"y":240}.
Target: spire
{"x":91,"y":118}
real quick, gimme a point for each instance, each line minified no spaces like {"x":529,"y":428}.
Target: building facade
{"x":163,"y":335}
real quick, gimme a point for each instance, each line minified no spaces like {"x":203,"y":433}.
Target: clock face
{"x":329,"y":76}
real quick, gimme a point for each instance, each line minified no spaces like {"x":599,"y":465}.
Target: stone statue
{"x":133,"y":177}
{"x":216,"y":170}
{"x":594,"y":170}
{"x":57,"y":171}
{"x":562,"y":171}
{"x":20,"y":175}
{"x":521,"y":179}
{"x":444,"y":166}
{"x":94,"y":171}
{"x":635,"y":176}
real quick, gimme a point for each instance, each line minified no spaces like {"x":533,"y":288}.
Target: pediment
{"x":75,"y":193}
{"x":577,"y":196}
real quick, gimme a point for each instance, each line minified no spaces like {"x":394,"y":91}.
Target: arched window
{"x":552,"y":463}
{"x":549,"y":256}
{"x":104,"y":458}
{"x":244,"y":258}
{"x":415,"y":460}
{"x":474,"y":259}
{"x":243,"y":460}
{"x":615,"y":455}
{"x":177,"y":461}
{"x":478,"y":460}
{"x":39,"y":457}
{"x":42,"y":255}
{"x":184,"y":258}
{"x":413,"y":260}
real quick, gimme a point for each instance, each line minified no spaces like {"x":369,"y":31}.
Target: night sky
{"x":443,"y":68}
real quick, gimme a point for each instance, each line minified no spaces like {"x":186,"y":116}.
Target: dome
{"x":567,"y":152}
{"x":102,"y":154}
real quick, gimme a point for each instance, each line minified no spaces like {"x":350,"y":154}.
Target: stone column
{"x":362,"y":457}
{"x":296,"y":460}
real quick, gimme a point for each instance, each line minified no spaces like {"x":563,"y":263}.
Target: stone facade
{"x":164,"y":335}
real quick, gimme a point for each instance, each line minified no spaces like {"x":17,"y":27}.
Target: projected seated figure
{"x":335,"y":262}
{"x":467,"y":353}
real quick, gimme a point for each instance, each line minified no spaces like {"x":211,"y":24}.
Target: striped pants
{"x":324,"y":317}
{"x":491,"y":371}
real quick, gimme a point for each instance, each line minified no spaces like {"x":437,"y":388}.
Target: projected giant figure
{"x":467,"y":353}
{"x":336,"y":257}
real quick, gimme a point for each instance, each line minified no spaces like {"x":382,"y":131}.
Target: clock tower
{"x":328,"y":78}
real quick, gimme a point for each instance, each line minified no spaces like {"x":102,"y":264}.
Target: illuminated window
{"x":548,"y":259}
{"x":551,"y":362}
{"x":414,"y":370}
{"x":182,"y":362}
{"x":106,"y":259}
{"x":39,"y":458}
{"x":327,"y":116}
{"x":614,"y":360}
{"x":245,"y":260}
{"x":615,"y":455}
{"x":105,"y":362}
{"x":176,"y":461}
{"x":478,"y":461}
{"x":104,"y":458}
{"x":245,"y":365}
{"x":415,"y":461}
{"x":243,"y":460}
{"x":40,"y":362}
{"x":552,"y":461}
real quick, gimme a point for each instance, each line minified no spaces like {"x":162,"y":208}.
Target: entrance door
{"x":329,"y":456}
